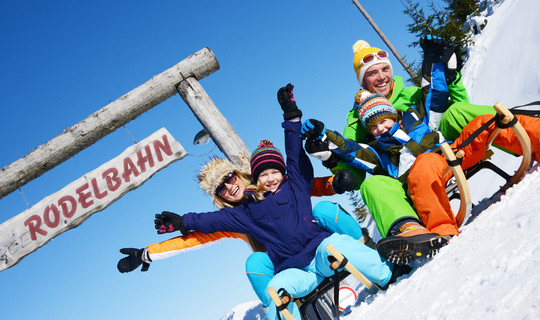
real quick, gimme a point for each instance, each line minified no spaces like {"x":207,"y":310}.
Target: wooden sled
{"x":459,"y":186}
{"x":465,"y":207}
{"x":318,"y":304}
{"x":281,"y":303}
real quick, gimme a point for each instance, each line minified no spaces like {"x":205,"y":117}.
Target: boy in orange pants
{"x":402,"y":150}
{"x":426,"y":181}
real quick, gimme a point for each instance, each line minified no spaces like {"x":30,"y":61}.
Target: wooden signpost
{"x":69,"y":207}
{"x":93,"y":192}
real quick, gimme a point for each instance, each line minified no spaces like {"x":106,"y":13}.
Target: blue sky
{"x":63,"y":60}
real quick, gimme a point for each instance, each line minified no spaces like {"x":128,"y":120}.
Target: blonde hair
{"x":211,"y":176}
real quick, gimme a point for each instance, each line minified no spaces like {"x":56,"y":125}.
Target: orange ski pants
{"x":426,"y":182}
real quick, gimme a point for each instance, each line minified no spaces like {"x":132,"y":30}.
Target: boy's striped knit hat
{"x":266,"y":156}
{"x":373,"y":107}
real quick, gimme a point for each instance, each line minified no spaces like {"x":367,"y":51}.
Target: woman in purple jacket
{"x":278,"y":216}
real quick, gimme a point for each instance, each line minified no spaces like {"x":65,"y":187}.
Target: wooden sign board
{"x":93,"y":192}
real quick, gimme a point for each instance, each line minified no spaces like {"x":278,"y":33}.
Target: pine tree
{"x":360,"y":209}
{"x":448,"y":20}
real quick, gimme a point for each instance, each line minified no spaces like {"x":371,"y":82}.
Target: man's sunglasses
{"x":371,"y":56}
{"x":229,"y":179}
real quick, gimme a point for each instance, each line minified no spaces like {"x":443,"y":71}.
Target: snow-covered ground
{"x":491,"y":270}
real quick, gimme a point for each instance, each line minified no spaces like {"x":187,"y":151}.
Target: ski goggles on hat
{"x":230,"y":178}
{"x":381,"y":54}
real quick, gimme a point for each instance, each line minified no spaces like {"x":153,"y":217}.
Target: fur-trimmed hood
{"x":214,"y":171}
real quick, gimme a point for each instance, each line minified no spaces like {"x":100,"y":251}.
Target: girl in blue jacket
{"x":279,"y":216}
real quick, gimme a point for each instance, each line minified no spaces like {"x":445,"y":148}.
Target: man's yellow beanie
{"x":361,"y":48}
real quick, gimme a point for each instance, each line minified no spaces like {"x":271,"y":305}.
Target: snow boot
{"x":411,"y":243}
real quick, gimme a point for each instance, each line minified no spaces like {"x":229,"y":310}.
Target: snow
{"x":489,"y":271}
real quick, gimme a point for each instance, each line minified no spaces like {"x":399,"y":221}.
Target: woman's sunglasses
{"x":229,"y":179}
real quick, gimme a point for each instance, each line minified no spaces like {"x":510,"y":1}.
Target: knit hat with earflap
{"x":214,"y":171}
{"x":373,"y":107}
{"x":361,"y":48}
{"x":266,"y":156}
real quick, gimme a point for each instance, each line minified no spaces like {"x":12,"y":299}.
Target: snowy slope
{"x":491,"y":270}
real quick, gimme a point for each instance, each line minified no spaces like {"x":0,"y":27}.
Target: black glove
{"x":437,"y":49}
{"x":332,"y":162}
{"x":344,"y":180}
{"x":312,"y":130}
{"x":169,"y":222}
{"x":320,"y":150}
{"x":286,"y":100}
{"x":132,"y":261}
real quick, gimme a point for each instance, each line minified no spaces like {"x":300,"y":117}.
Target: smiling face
{"x":270,"y":179}
{"x":233,"y":190}
{"x":378,"y":79}
{"x":381,"y":126}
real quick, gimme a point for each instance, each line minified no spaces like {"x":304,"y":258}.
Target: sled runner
{"x":461,"y":182}
{"x":318,"y":304}
{"x":458,"y":187}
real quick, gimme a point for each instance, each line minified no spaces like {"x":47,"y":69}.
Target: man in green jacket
{"x":384,"y":196}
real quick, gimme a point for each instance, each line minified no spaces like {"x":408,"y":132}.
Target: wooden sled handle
{"x":465,"y":206}
{"x":352,"y":269}
{"x":523,"y":138}
{"x":278,"y":301}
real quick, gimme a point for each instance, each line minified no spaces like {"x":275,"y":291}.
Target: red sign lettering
{"x":83,"y":197}
{"x":47,"y":216}
{"x":129,"y":168}
{"x":68,"y":212}
{"x":113,"y":182}
{"x":98,"y":194}
{"x":165,"y":147}
{"x":142,"y":159}
{"x":33,"y":223}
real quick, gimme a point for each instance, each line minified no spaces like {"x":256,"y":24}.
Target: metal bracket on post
{"x":211,"y":118}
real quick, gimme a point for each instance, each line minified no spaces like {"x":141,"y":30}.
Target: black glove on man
{"x":344,"y":180}
{"x":437,"y":49}
{"x":167,"y":222}
{"x":286,"y":100}
{"x":132,"y":261}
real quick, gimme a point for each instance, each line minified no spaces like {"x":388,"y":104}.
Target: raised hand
{"x":437,"y":49}
{"x":288,"y":104}
{"x":313,"y":129}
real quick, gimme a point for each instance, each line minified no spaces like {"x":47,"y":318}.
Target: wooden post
{"x":385,"y":39}
{"x":104,"y":121}
{"x":217,"y":125}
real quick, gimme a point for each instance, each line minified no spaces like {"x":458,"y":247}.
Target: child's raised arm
{"x":299,"y":166}
{"x":330,"y":147}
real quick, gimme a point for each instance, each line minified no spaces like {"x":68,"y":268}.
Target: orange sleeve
{"x":193,"y":241}
{"x":322,"y":186}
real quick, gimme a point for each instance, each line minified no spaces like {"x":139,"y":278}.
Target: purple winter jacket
{"x":282,"y":222}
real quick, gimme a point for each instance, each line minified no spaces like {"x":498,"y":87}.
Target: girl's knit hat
{"x":266,"y":156}
{"x":373,"y":107}
{"x":361,"y":49}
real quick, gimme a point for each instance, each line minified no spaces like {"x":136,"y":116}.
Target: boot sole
{"x":403,"y":250}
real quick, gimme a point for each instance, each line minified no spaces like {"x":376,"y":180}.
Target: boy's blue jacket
{"x":282,"y":222}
